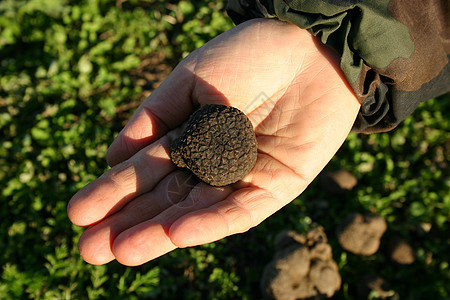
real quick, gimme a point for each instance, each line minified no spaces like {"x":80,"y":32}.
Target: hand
{"x":143,"y":207}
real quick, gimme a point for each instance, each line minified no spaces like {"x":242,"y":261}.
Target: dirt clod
{"x":337,"y":182}
{"x":361,"y":234}
{"x":400,"y":251}
{"x":302,"y":267}
{"x":374,"y":285}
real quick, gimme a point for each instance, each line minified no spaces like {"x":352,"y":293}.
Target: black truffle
{"x":218,"y":145}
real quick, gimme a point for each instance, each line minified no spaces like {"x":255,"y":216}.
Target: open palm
{"x":300,"y":105}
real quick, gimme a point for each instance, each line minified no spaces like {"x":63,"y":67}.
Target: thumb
{"x":166,"y":108}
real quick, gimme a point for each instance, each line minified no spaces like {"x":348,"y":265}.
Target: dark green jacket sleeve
{"x":394,"y":53}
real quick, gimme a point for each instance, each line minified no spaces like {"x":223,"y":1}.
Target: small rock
{"x":424,"y":228}
{"x":401,"y":252}
{"x":360,"y":234}
{"x":337,"y":182}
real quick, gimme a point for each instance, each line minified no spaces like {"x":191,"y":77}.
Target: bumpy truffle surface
{"x":218,"y":145}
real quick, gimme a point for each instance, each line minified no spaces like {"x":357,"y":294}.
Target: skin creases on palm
{"x":301,"y":108}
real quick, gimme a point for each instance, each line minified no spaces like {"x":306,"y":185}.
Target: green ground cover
{"x":71,"y":73}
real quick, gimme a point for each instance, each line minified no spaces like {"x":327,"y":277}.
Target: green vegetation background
{"x":72,"y":72}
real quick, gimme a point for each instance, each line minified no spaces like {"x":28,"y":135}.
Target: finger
{"x":218,"y":214}
{"x":273,"y":185}
{"x":96,"y":242}
{"x":166,"y":108}
{"x":117,"y":186}
{"x":234,"y":215}
{"x":142,"y":243}
{"x":149,"y":240}
{"x":206,"y":215}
